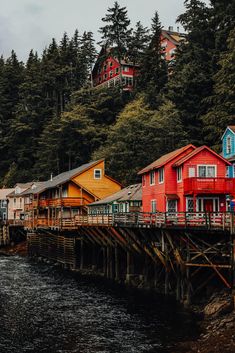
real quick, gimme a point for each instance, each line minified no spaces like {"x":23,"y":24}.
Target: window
{"x":228,"y":145}
{"x":115,"y":208}
{"x":172,"y":206}
{"x":105,"y":76}
{"x":111,"y":74}
{"x":191,"y":172}
{"x":144,"y":180}
{"x":111,"y":64}
{"x":153,"y":206}
{"x":207,"y":171}
{"x":161,"y":176}
{"x":105,"y":67}
{"x":152,"y":177}
{"x":117,"y":70}
{"x":190,"y":205}
{"x":125,"y":68}
{"x":179,"y":174}
{"x":97,"y":173}
{"x":14,"y":201}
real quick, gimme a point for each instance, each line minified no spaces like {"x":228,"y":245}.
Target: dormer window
{"x":97,"y":173}
{"x":229,"y":145}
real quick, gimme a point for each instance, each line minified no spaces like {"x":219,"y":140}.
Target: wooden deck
{"x":184,"y":220}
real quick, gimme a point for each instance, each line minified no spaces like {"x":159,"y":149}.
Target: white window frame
{"x":179,"y":172}
{"x":206,"y":165}
{"x":176,"y":206}
{"x":161,"y":175}
{"x":144,"y":180}
{"x":214,"y":199}
{"x":228,"y":145}
{"x":97,"y":170}
{"x":152,"y":180}
{"x":189,"y":199}
{"x":153,"y":202}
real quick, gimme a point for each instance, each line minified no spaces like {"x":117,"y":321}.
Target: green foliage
{"x":222,"y":102}
{"x":139,"y":136}
{"x":116,"y":32}
{"x":191,"y":81}
{"x":52,"y":119}
{"x":153,"y":68}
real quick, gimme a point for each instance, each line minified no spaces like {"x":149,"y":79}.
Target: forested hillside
{"x":52,"y":119}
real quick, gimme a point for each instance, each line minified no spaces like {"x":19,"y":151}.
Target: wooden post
{"x":129,"y":266}
{"x":104,"y":261}
{"x":188,"y":289}
{"x":81,"y":254}
{"x":117,"y":269}
{"x":166,"y":286}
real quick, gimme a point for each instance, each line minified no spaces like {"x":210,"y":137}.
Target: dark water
{"x":44,"y":310}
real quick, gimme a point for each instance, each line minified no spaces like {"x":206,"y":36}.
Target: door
{"x":208,"y":205}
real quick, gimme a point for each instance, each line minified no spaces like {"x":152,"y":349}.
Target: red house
{"x":108,"y":71}
{"x":189,"y":179}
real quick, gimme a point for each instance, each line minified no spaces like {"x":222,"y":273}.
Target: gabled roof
{"x":22,"y":186}
{"x":64,"y":177}
{"x":174,"y":37}
{"x":160,"y":162}
{"x":196,"y":151}
{"x":5,"y":192}
{"x":231,"y":128}
{"x":29,"y":190}
{"x":130,"y":193}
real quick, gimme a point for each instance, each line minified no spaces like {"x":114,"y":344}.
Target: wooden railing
{"x":202,"y":220}
{"x":215,"y":185}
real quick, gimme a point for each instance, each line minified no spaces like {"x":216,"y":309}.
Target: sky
{"x":30,"y":24}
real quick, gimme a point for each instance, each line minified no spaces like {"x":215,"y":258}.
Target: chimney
{"x":178,"y":29}
{"x":170,"y":28}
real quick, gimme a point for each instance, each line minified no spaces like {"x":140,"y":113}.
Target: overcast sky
{"x":26,"y":24}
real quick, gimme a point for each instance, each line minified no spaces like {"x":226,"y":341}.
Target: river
{"x":45,"y":310}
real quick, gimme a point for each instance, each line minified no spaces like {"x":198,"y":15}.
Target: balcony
{"x":64,"y":202}
{"x":209,"y":186}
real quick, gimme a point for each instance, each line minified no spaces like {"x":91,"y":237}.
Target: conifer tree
{"x":191,"y":81}
{"x":222,"y":102}
{"x":115,"y":34}
{"x":153,"y":72}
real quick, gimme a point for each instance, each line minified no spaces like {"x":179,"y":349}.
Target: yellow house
{"x":57,"y":202}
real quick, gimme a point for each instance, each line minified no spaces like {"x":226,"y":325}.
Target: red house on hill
{"x":170,"y":40}
{"x":189,"y":179}
{"x":108,"y":71}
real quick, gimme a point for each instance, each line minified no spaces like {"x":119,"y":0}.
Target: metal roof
{"x":130,"y":193}
{"x":63,"y":177}
{"x":165,"y":159}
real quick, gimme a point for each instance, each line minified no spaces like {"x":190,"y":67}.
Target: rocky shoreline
{"x":217,"y":327}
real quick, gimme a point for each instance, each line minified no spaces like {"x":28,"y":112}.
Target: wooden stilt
{"x":117,"y":269}
{"x":81,"y":254}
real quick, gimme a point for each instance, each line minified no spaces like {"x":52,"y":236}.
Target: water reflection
{"x":44,"y":310}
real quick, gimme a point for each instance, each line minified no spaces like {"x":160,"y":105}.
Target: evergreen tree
{"x":140,"y":135}
{"x":191,"y":81}
{"x":222,"y":102}
{"x":88,"y":54}
{"x":153,"y":72}
{"x":116,"y":33}
{"x":11,"y":77}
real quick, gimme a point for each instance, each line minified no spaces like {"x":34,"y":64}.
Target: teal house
{"x":228,"y":149}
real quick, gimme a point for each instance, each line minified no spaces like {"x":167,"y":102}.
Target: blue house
{"x":228,"y":149}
